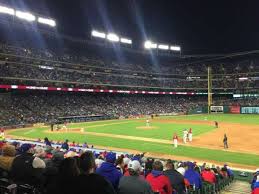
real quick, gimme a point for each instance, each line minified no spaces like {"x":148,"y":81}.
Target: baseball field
{"x":132,"y":135}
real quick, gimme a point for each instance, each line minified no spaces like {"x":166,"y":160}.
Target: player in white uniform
{"x":175,"y":140}
{"x":190,"y":135}
{"x":147,"y":123}
{"x":185,"y":136}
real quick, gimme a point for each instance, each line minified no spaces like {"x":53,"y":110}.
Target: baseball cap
{"x":126,"y":161}
{"x":134,"y":165}
{"x":25,"y":147}
{"x":111,"y":157}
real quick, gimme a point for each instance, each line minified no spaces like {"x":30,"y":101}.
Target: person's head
{"x":119,"y":162}
{"x":39,"y":152}
{"x":169,"y":165}
{"x":26,"y":148}
{"x":134,"y":168}
{"x":190,"y":165}
{"x":57,"y":156}
{"x":157,"y":165}
{"x":68,"y":168}
{"x":9,"y":150}
{"x":87,"y":162}
{"x":111,"y":157}
{"x":207,"y":167}
{"x":46,"y":139}
{"x":66,"y":141}
{"x":225,"y":135}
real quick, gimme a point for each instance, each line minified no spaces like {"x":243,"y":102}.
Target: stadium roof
{"x":198,"y":26}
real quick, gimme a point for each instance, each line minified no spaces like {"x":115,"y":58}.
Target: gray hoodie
{"x":134,"y":185}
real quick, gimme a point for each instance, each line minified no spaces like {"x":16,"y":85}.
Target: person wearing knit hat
{"x":6,"y":160}
{"x":26,"y":168}
{"x":134,"y":183}
{"x":192,"y":176}
{"x":176,"y":178}
{"x":109,"y":170}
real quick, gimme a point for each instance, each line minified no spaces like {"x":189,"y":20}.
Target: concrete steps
{"x":237,"y":187}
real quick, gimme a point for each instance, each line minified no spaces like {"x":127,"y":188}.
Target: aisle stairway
{"x":237,"y":187}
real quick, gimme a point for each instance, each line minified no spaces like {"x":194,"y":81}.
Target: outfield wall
{"x":226,"y":109}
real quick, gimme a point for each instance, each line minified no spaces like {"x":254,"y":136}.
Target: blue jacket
{"x":110,"y":172}
{"x":193,"y":177}
{"x":255,"y":185}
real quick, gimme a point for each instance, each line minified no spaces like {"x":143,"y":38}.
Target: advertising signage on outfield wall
{"x":21,"y":87}
{"x":123,"y":91}
{"x":250,"y":110}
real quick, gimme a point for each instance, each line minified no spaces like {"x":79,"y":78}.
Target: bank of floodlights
{"x":47,"y":21}
{"x":27,"y":16}
{"x":112,"y":37}
{"x":151,"y":45}
{"x":7,"y":10}
{"x":98,"y":34}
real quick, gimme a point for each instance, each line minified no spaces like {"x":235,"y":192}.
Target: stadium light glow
{"x":150,"y":45}
{"x":98,"y":34}
{"x":243,"y":78}
{"x":175,"y":48}
{"x":7,"y":10}
{"x":125,"y":40}
{"x":47,"y":21}
{"x":163,"y":47}
{"x":113,"y":37}
{"x":25,"y":16}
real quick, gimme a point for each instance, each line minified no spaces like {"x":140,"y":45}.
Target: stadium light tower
{"x":25,"y":16}
{"x":175,"y":48}
{"x":150,"y":45}
{"x":98,"y":34}
{"x":163,"y":47}
{"x":7,"y":10}
{"x":47,"y":21}
{"x":126,"y":41}
{"x":113,"y":37}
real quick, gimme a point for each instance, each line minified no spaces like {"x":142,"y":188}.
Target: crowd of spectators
{"x":63,"y":169}
{"x":41,"y":107}
{"x":31,"y":66}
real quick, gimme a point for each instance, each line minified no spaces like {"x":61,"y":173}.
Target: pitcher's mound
{"x":147,"y":128}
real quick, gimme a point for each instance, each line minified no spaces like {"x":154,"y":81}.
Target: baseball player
{"x":216,"y":124}
{"x":225,"y":141}
{"x":175,"y":140}
{"x":190,"y":135}
{"x":147,"y":123}
{"x":185,"y":135}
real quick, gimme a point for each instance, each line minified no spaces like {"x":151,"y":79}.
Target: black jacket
{"x":93,"y":183}
{"x":176,"y":180}
{"x":22,"y":171}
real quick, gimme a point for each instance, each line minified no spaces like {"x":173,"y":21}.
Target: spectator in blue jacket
{"x":109,"y":170}
{"x":65,"y":145}
{"x":192,"y":176}
{"x":255,"y":185}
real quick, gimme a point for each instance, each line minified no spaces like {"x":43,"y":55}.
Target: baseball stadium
{"x":93,"y":110}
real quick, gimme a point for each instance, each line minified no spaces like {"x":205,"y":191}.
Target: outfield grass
{"x":191,"y":152}
{"x":163,"y":131}
{"x":230,"y":118}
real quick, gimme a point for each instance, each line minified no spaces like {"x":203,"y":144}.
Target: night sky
{"x":199,"y":26}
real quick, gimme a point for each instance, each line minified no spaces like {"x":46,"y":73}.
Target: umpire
{"x":225,"y":141}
